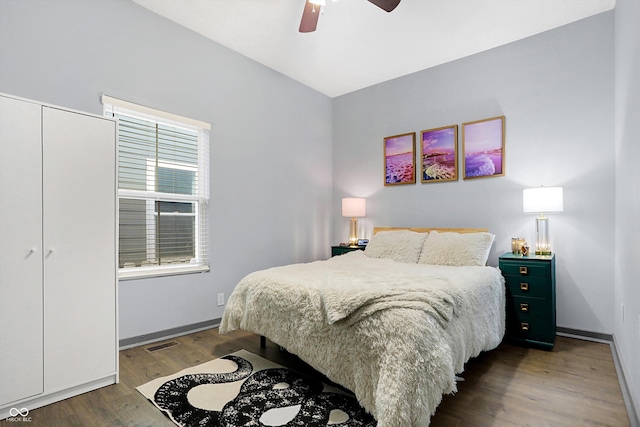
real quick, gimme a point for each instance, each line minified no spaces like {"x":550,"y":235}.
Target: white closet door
{"x":20,"y":250}
{"x":79,"y":161}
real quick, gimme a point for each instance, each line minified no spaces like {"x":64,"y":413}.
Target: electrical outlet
{"x":220,"y":299}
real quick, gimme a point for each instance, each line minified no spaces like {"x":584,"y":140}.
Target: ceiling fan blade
{"x":309,"y":20}
{"x":386,"y":5}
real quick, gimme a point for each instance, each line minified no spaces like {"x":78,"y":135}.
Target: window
{"x":163,"y":191}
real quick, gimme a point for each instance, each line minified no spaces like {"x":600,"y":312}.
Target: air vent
{"x":162,"y":346}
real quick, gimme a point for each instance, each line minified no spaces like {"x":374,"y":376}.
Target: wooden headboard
{"x":426,"y":230}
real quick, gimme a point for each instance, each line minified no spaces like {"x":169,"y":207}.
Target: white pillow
{"x":398,"y":245}
{"x":456,"y":249}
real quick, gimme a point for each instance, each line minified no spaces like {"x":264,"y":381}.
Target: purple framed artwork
{"x":483,"y":148}
{"x":400,"y":159}
{"x":439,"y":154}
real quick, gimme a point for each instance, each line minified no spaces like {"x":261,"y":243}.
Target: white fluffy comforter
{"x":395,"y":334}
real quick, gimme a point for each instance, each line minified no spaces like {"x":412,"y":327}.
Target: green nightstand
{"x":531,"y":298}
{"x":339,"y":250}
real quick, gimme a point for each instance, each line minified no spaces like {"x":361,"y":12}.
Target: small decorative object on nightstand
{"x":343,"y":249}
{"x":531,"y":298}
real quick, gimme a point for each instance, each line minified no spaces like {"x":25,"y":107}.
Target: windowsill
{"x":168,"y":270}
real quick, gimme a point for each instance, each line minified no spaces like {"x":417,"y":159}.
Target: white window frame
{"x":200,"y":200}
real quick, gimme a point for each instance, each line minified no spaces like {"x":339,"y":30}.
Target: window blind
{"x":163,"y":191}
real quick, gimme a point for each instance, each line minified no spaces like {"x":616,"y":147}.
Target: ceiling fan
{"x":311,"y":12}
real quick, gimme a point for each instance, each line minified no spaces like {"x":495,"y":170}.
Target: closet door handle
{"x":49,"y":253}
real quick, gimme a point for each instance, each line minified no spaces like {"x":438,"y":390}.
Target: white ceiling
{"x":357,"y":44}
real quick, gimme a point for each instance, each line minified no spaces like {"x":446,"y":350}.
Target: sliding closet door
{"x":20,"y":250}
{"x":79,"y":163}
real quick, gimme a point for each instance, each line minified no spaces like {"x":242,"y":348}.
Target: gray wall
{"x":627,"y":270}
{"x":270,"y":143}
{"x":556,"y":90}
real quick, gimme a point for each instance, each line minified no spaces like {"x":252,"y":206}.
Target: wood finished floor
{"x":573,"y":385}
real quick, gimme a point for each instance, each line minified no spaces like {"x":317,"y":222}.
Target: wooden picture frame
{"x":483,"y":148}
{"x":439,"y":154}
{"x":400,"y":159}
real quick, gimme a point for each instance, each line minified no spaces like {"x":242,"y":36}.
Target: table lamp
{"x":354,"y":207}
{"x":542,"y":200}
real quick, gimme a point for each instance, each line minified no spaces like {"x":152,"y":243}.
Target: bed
{"x":394,"y":323}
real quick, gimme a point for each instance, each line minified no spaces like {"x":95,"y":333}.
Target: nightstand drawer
{"x":537,"y":287}
{"x":524,"y":309}
{"x":526,"y":268}
{"x":532,"y":329}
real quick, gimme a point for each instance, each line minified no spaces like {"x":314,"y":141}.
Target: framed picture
{"x":483,"y":148}
{"x":400,"y":159}
{"x":439,"y":154}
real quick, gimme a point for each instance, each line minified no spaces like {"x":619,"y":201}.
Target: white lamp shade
{"x":542,"y":200}
{"x":354,"y":207}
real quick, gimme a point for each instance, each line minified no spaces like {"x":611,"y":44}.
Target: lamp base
{"x":353,"y":232}
{"x":543,"y":252}
{"x":543,"y":244}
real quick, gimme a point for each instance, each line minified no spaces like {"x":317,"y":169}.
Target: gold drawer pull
{"x":524,"y":326}
{"x":524,"y":307}
{"x":524,"y":287}
{"x":524,"y":270}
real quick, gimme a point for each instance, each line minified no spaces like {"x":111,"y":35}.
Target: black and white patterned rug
{"x":243,"y":389}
